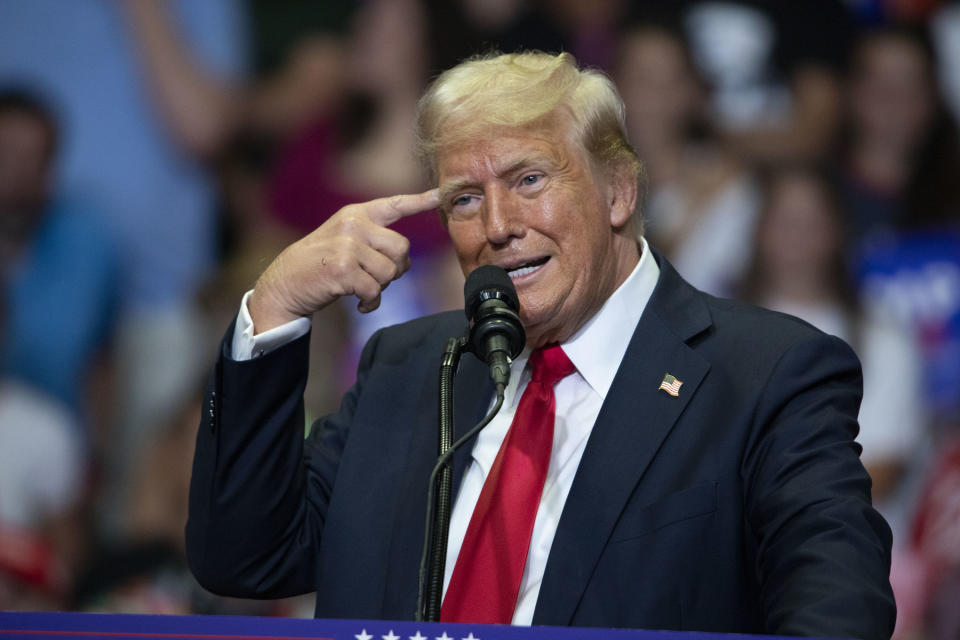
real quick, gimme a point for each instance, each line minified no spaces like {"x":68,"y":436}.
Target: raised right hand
{"x":352,"y":253}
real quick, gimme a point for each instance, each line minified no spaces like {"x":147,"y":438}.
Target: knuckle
{"x":397,"y":249}
{"x":340,"y":264}
{"x":350,"y":224}
{"x":386,"y":275}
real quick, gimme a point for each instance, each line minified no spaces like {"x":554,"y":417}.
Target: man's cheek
{"x":467,"y":261}
{"x":468,"y":245}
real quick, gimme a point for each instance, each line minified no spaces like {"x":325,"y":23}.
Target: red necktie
{"x":486,"y":578}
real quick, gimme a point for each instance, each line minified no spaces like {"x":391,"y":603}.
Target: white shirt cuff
{"x":247,"y":346}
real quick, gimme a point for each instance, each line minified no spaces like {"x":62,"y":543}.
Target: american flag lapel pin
{"x":671,"y":385}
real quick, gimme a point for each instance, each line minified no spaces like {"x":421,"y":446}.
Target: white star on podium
{"x":444,"y":637}
{"x":470,"y":637}
{"x":418,"y":636}
{"x":363,"y":635}
{"x":390,"y":636}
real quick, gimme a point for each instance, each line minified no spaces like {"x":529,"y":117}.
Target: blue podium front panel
{"x":78,"y":626}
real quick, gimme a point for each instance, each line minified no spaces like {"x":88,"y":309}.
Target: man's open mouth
{"x":527,"y":268}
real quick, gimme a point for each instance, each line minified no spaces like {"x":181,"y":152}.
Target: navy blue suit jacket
{"x":738,"y":506}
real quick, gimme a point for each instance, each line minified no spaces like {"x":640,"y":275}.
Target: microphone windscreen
{"x":486,"y":282}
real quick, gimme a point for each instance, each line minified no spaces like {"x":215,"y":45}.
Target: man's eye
{"x":462,"y":201}
{"x":531,"y":179}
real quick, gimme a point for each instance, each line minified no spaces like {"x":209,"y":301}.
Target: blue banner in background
{"x":915,"y":278}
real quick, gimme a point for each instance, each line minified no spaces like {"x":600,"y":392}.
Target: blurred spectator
{"x":134,"y":84}
{"x":701,"y":203}
{"x":936,"y":540}
{"x":900,"y":151}
{"x":366,"y":149}
{"x":58,"y":273}
{"x":899,"y":165}
{"x":300,"y":75}
{"x":146,"y":572}
{"x":42,"y":481}
{"x":298,"y":64}
{"x":800,"y":268}
{"x":58,"y":262}
{"x":774,"y":68}
{"x":121,"y":149}
{"x":189,"y":58}
{"x":365,"y":152}
{"x":157,"y":506}
{"x":151,"y":577}
{"x":135,"y":577}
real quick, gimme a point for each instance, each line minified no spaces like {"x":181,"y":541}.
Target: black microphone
{"x":496,"y":333}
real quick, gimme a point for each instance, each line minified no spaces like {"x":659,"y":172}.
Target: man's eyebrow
{"x":452,"y":186}
{"x":524,"y":163}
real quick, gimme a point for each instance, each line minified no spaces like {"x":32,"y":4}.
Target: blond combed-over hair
{"x":523,"y":90}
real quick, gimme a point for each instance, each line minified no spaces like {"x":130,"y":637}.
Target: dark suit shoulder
{"x":734,"y":315}
{"x":728,"y":327}
{"x":452,"y":322}
{"x":421,"y":336}
{"x":759,"y":334}
{"x":746,"y":344}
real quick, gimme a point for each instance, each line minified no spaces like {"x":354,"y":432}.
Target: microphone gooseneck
{"x":496,"y":333}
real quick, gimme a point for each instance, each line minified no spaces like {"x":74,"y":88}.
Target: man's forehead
{"x":502,"y":153}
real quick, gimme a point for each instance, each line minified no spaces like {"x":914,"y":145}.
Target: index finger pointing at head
{"x":386,"y":211}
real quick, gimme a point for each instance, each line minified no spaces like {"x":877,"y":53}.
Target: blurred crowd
{"x":155,"y":155}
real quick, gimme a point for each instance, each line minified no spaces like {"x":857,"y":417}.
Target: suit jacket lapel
{"x":635,"y":419}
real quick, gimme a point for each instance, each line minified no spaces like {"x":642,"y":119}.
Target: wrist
{"x":265,"y":312}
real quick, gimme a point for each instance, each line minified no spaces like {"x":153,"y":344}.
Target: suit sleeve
{"x":258,"y":495}
{"x":823,"y":553}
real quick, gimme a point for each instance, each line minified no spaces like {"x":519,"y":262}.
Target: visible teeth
{"x":522,"y":271}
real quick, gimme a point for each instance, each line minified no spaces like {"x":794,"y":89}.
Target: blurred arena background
{"x":155,"y":155}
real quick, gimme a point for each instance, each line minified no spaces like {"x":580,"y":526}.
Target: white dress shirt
{"x":596,"y":351}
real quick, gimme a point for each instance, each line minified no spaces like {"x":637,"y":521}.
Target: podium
{"x":74,"y":626}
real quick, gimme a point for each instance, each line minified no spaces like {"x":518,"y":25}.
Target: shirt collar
{"x":602,"y":341}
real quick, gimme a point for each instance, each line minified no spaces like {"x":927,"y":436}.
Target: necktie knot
{"x":550,"y":365}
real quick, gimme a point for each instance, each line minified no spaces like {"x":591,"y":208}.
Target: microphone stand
{"x":439,"y":489}
{"x":444,"y":482}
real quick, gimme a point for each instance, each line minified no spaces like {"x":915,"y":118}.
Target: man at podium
{"x":663,"y":459}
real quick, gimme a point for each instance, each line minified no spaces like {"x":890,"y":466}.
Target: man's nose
{"x":502,"y":217}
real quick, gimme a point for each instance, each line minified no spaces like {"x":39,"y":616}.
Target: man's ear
{"x":622,"y":196}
